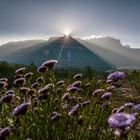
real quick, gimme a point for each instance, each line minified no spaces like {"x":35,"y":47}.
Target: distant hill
{"x":112,"y":51}
{"x":101,"y":54}
{"x":68,"y":51}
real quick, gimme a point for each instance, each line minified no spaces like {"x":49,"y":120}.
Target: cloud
{"x":91,"y":37}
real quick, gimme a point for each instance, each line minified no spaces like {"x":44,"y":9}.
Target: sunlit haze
{"x":33,"y":19}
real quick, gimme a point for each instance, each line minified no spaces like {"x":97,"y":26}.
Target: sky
{"x":31,"y":19}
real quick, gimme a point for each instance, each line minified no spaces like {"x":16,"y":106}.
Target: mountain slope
{"x":68,"y":51}
{"x":112,"y":51}
{"x":101,"y":54}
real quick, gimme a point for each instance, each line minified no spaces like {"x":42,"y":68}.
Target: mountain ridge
{"x":101,"y":54}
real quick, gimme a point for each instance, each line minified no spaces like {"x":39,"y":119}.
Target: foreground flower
{"x":3,"y":80}
{"x":20,"y":70}
{"x":10,"y":92}
{"x":137,"y":107}
{"x":87,"y":84}
{"x":121,"y":120}
{"x":72,"y":89}
{"x":60,"y":83}
{"x":98,"y":92}
{"x":40,"y":79}
{"x":18,"y":76}
{"x":86,"y":103}
{"x":19,"y":81}
{"x":42,"y":69}
{"x":117,"y":75}
{"x":50,"y":63}
{"x":56,"y":116}
{"x":76,"y":84}
{"x":24,"y":90}
{"x":45,"y":89}
{"x":74,"y":110}
{"x":129,"y":104}
{"x":7,"y":98}
{"x":106,"y":105}
{"x":4,"y":133}
{"x":28,"y":75}
{"x":35,"y":85}
{"x":65,"y":96}
{"x":21,"y":109}
{"x":31,"y":92}
{"x":3,"y":84}
{"x":78,"y":76}
{"x":106,"y":95}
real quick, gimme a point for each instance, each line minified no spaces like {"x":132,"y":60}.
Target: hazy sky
{"x":27,"y":19}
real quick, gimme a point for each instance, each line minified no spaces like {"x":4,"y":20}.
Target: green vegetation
{"x":64,"y":105}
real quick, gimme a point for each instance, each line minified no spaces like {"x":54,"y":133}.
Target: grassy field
{"x":49,"y":104}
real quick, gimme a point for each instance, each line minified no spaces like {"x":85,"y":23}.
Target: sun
{"x":67,"y":32}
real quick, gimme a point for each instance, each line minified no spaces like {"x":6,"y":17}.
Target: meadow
{"x":45,"y":103}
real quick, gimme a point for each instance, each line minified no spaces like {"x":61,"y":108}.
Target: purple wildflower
{"x":50,"y":63}
{"x":45,"y":89}
{"x":10,"y":92}
{"x":137,"y":107}
{"x":106,"y":95}
{"x":117,"y":75}
{"x":114,"y":110}
{"x":4,"y":80}
{"x":60,"y":83}
{"x":19,"y":81}
{"x":98,"y":92}
{"x":35,"y":85}
{"x":40,"y":79}
{"x":106,"y":105}
{"x":18,"y":76}
{"x":78,"y":76}
{"x":120,"y":109}
{"x":24,"y":90}
{"x":21,"y":109}
{"x":3,"y":84}
{"x":65,"y":96}
{"x":42,"y":69}
{"x":121,"y":120}
{"x":72,"y":89}
{"x":56,"y":116}
{"x":109,"y":81}
{"x":129,"y":104}
{"x":31,"y":92}
{"x":76,"y":84}
{"x":87,"y":84}
{"x":73,"y":112}
{"x":4,"y":133}
{"x":86,"y":103}
{"x":28,"y":75}
{"x":20,"y":70}
{"x":7,"y":98}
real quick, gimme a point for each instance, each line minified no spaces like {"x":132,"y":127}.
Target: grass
{"x":48,"y":117}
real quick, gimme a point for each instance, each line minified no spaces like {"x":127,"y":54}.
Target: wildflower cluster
{"x":50,"y":108}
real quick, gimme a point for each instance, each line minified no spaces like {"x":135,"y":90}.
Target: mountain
{"x":99,"y":53}
{"x":112,"y":51}
{"x":67,"y":50}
